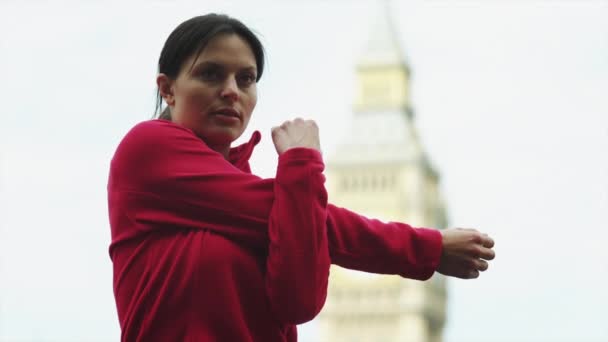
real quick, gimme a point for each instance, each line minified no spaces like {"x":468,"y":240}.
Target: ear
{"x":165,"y":87}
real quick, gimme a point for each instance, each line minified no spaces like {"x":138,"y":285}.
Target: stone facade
{"x":381,"y":171}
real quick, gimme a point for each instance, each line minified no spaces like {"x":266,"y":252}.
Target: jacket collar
{"x":239,"y":155}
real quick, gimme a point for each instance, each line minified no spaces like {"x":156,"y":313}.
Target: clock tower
{"x":381,"y":170}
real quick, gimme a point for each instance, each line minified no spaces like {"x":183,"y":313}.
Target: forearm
{"x":298,"y":259}
{"x":370,"y":245}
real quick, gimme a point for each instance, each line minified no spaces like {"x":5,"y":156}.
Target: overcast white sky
{"x":511,"y":104}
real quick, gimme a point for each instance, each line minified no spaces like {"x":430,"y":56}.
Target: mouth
{"x":227,"y":112}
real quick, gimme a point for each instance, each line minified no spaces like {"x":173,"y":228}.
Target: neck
{"x":224,"y":150}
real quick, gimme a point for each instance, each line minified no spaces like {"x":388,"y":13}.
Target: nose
{"x":230,"y":89}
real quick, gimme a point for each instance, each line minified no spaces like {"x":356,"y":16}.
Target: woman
{"x":205,"y":251}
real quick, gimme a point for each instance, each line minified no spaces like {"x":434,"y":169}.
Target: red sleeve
{"x":370,"y":245}
{"x":169,"y":178}
{"x":298,"y":261}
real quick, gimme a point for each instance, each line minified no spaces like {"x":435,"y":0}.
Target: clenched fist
{"x":465,"y":252}
{"x":296,"y":133}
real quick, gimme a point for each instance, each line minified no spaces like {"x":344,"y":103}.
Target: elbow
{"x":301,"y":301}
{"x":299,"y":310}
{"x":298,"y":290}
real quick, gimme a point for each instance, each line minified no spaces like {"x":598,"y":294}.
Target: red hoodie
{"x":205,"y":251}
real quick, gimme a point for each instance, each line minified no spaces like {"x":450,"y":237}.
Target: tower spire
{"x":383,"y":46}
{"x":381,"y":170}
{"x":382,"y":72}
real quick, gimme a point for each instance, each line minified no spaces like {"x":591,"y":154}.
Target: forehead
{"x":228,"y":49}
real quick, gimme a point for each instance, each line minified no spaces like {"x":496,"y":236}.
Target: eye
{"x":210,"y":74}
{"x":246,"y":79}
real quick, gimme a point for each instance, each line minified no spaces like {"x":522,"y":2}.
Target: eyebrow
{"x":220,"y":66}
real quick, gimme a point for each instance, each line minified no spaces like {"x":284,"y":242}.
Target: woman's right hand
{"x":296,"y":133}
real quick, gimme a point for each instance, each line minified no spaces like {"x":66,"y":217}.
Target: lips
{"x":227,"y":112}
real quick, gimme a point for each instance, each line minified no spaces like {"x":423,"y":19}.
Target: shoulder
{"x":145,"y":134}
{"x":159,"y":135}
{"x":159,"y":150}
{"x":156,"y":139}
{"x":157,"y":129}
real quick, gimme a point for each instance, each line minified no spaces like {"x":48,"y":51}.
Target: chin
{"x":220,"y":136}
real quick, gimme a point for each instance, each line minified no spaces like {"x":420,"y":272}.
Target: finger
{"x":313,"y":124}
{"x":486,"y":253}
{"x":275,"y":130}
{"x":487,"y":241}
{"x":475,"y":264}
{"x":481,"y":265}
{"x":467,"y":273}
{"x":473,"y":274}
{"x":469,"y":269}
{"x":464,"y":273}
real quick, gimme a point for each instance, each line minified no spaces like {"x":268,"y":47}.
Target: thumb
{"x":277,"y":137}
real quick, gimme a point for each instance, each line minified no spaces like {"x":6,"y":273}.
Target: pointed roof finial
{"x":383,"y":45}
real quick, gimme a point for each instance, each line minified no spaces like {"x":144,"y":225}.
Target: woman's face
{"x":215,"y":94}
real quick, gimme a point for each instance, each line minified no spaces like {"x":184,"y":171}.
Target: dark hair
{"x":191,"y":37}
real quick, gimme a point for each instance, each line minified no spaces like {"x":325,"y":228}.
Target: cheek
{"x":195,"y":96}
{"x":251,"y":101}
{"x":199,"y":99}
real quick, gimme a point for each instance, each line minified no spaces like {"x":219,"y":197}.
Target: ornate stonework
{"x":381,"y":171}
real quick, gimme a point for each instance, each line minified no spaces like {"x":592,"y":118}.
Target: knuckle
{"x":476,"y":237}
{"x":475,"y":251}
